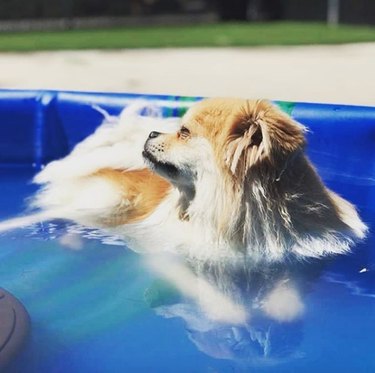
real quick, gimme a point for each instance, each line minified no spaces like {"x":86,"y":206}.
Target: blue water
{"x":99,"y":309}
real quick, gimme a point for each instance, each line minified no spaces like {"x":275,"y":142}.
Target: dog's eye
{"x":184,"y":132}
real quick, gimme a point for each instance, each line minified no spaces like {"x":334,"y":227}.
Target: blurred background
{"x":348,"y":11}
{"x":298,"y":50}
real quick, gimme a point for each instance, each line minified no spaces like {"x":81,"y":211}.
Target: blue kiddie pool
{"x":97,"y":308}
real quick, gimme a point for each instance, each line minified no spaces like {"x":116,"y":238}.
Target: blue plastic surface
{"x":89,"y":308}
{"x":45,"y":125}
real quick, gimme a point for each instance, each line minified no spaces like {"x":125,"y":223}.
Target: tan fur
{"x":229,"y":123}
{"x":234,"y":178}
{"x":270,"y":196}
{"x":242,"y":175}
{"x":142,"y":190}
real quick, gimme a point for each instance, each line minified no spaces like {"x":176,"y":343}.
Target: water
{"x":96,"y":306}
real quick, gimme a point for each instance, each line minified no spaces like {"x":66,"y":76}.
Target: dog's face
{"x":179,"y":156}
{"x":226,"y":135}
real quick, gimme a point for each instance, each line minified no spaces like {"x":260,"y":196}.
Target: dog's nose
{"x":153,"y":134}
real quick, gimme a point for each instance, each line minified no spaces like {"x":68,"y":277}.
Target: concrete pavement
{"x":336,"y":74}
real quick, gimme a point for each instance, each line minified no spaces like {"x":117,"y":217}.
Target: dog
{"x":230,"y":179}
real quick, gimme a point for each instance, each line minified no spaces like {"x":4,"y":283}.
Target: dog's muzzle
{"x":166,"y":169}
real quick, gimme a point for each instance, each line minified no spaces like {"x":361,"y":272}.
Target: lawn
{"x":210,"y":35}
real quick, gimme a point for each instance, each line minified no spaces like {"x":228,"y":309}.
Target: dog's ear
{"x":261,"y":131}
{"x":247,"y":144}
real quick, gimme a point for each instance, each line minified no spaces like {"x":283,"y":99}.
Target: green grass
{"x":211,"y":35}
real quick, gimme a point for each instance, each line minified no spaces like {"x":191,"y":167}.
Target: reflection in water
{"x":213,"y":303}
{"x":251,"y":315}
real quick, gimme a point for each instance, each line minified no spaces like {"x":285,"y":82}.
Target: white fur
{"x":69,"y":186}
{"x":71,"y":191}
{"x":115,"y":144}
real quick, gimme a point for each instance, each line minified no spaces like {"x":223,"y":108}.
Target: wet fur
{"x":238,"y":182}
{"x":265,"y":197}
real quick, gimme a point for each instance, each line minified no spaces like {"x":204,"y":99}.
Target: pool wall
{"x":88,"y":307}
{"x":37,"y":126}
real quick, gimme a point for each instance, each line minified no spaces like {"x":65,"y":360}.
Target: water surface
{"x":96,"y":306}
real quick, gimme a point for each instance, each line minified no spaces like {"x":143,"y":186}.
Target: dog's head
{"x":240,"y":167}
{"x":232,"y":136}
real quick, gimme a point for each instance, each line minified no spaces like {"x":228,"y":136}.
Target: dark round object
{"x":153,"y":134}
{"x":14,"y":327}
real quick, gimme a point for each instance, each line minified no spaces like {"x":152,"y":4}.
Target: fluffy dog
{"x":231,"y":178}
